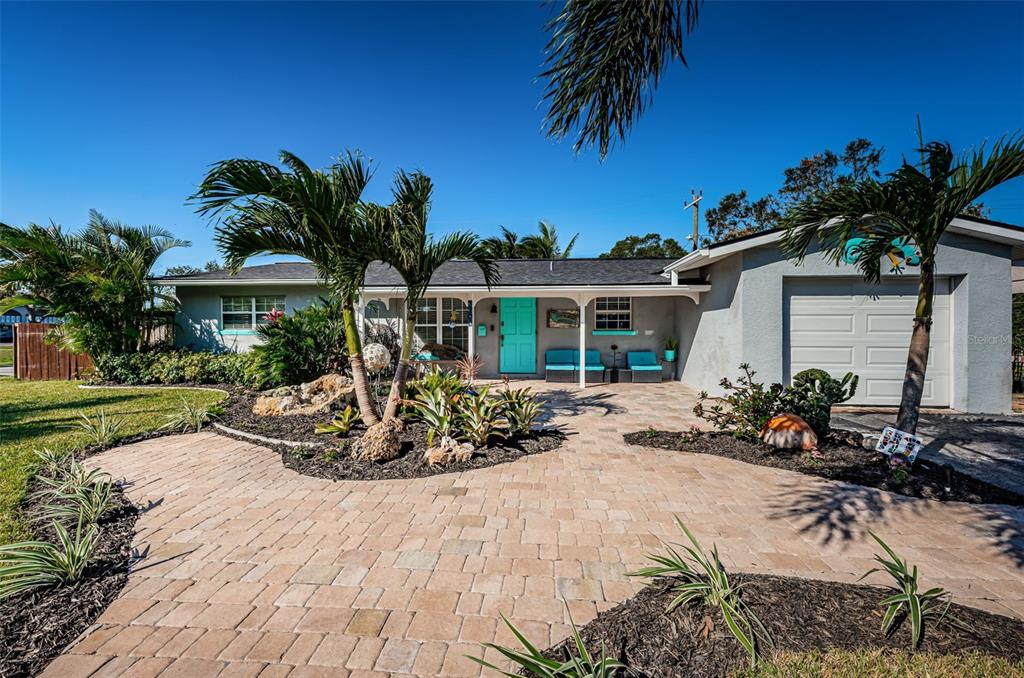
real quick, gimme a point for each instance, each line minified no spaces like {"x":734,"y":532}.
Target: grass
{"x":883,"y":664}
{"x":35,"y":414}
{"x":6,"y":355}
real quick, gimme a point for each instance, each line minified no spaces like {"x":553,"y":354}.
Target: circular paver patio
{"x":248,"y":568}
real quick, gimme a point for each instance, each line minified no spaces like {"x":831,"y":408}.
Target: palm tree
{"x":97,"y":279}
{"x":504,"y":246}
{"x":543,"y":245}
{"x":314,"y":214}
{"x":605,"y":59}
{"x":913,"y":205}
{"x":402,"y":231}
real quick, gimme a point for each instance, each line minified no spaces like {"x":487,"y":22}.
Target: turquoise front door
{"x":518,"y":336}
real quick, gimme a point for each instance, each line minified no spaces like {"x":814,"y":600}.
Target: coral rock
{"x":448,"y":451}
{"x":331,"y":391}
{"x":381,"y":442}
{"x":789,"y":432}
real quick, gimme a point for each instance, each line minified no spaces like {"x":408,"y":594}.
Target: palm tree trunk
{"x":361,"y":382}
{"x":917,"y":359}
{"x":402,"y":371}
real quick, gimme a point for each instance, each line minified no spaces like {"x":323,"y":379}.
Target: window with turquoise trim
{"x":613,"y":313}
{"x":241,"y":313}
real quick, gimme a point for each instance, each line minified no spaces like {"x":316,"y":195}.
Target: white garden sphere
{"x":376,"y":357}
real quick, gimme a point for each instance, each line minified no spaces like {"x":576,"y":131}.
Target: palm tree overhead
{"x":504,"y":246}
{"x":543,"y":245}
{"x":914,"y":205}
{"x":604,"y":60}
{"x":315,"y":214}
{"x":404,"y":243}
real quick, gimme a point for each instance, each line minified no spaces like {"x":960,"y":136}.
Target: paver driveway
{"x":252,"y":569}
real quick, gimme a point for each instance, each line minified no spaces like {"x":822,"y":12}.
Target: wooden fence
{"x":36,"y":359}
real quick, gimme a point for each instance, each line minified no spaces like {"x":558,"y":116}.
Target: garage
{"x":846,"y":325}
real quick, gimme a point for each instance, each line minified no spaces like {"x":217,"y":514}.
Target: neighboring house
{"x":735,"y":302}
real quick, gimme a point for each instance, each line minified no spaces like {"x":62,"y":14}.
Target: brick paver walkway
{"x":251,"y":569}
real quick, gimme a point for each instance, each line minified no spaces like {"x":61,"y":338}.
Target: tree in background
{"x":184,"y":269}
{"x":865,"y":219}
{"x":542,"y":245}
{"x":98,"y":279}
{"x":314,"y":214}
{"x":649,"y":246}
{"x":605,"y":59}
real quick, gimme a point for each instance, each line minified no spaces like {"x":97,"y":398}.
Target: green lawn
{"x":6,"y":355}
{"x":34,"y":414}
{"x":883,"y":664}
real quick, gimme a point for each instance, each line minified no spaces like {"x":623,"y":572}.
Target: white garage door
{"x":845,"y":325}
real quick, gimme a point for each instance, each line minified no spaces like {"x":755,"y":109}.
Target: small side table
{"x":619,"y":374}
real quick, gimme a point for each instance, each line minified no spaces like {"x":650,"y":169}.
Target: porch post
{"x":472,"y":326}
{"x":583,"y":341}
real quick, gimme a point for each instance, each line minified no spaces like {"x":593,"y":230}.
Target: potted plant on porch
{"x":671,"y":344}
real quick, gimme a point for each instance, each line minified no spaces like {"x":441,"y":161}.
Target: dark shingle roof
{"x":513,"y":272}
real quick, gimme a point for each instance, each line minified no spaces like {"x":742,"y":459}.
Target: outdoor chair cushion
{"x":642,"y":359}
{"x":560,"y":367}
{"x":646,"y":368}
{"x":559,"y":356}
{"x":593,"y":357}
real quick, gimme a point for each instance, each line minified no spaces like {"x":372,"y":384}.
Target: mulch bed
{"x":800,"y":615}
{"x":39,"y":624}
{"x":842,"y":459}
{"x":330,"y":457}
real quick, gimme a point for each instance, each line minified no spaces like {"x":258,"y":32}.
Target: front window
{"x":613,"y":313}
{"x":444,"y":320}
{"x":246,"y":312}
{"x":426,"y":321}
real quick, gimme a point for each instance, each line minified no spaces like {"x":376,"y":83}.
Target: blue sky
{"x":121,"y":107}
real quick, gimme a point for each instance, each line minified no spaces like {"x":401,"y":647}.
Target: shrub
{"x":300,"y":347}
{"x":813,"y":394}
{"x":745,"y":409}
{"x":531,"y":662}
{"x":479,"y":417}
{"x":178,"y":366}
{"x":908,"y":602}
{"x":702,"y":577}
{"x":29,"y":564}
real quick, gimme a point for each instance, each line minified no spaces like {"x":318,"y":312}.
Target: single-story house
{"x":739,"y":301}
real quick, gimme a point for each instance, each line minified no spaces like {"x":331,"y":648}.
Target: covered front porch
{"x":516,"y":331}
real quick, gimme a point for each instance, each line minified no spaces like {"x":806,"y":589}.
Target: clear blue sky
{"x":121,"y":107}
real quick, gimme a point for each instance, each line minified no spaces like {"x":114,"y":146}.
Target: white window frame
{"x":611,"y":318}
{"x":441,"y":323}
{"x":255,"y":317}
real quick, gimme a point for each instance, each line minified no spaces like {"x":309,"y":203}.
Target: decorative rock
{"x":376,"y":357}
{"x":329,"y":392}
{"x":788,"y":432}
{"x":448,"y":451}
{"x":380,"y":442}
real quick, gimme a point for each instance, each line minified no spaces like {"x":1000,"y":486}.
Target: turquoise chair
{"x":559,"y":365}
{"x":594,"y":368}
{"x":644,"y":366}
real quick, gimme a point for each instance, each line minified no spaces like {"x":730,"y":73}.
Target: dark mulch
{"x":331,"y":459}
{"x":39,"y":624}
{"x":800,"y":615}
{"x":843,"y":460}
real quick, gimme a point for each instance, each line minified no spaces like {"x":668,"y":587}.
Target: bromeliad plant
{"x":30,"y":564}
{"x":480,"y":417}
{"x":702,"y":578}
{"x":341,"y":424}
{"x":521,"y":408}
{"x":578,"y":662}
{"x":909,"y":602}
{"x":435,"y":408}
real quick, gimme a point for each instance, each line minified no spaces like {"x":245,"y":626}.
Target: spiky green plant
{"x":909,"y":602}
{"x":191,"y":417}
{"x":101,"y":430}
{"x":448,"y":382}
{"x":85,"y":504}
{"x":72,"y":478}
{"x":578,"y":662}
{"x":702,"y":577}
{"x":480,"y":417}
{"x":521,"y":408}
{"x":30,"y":564}
{"x":435,"y":408}
{"x":341,"y":424}
{"x":52,"y":462}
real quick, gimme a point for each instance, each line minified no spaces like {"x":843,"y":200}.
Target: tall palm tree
{"x":98,"y":279}
{"x":504,"y":246}
{"x":913,"y":205}
{"x":314,"y":214}
{"x":605,"y":59}
{"x":402,"y":231}
{"x":545,"y":244}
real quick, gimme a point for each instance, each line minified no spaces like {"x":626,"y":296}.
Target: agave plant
{"x":341,"y":424}
{"x":909,"y":602}
{"x":702,"y":577}
{"x":480,"y":417}
{"x":521,"y":409}
{"x":191,"y":417}
{"x":531,"y":662}
{"x":101,"y":429}
{"x":30,"y":564}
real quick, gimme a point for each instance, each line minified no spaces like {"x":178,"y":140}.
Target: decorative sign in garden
{"x":899,"y":443}
{"x":901,"y":253}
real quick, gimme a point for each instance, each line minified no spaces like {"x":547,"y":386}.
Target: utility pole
{"x":695,"y":198}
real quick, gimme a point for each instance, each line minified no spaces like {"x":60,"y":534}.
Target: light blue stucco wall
{"x":742,"y":319}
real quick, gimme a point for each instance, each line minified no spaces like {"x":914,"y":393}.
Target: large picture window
{"x":444,"y":320}
{"x":426,"y":321}
{"x":246,"y":312}
{"x":613,"y":313}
